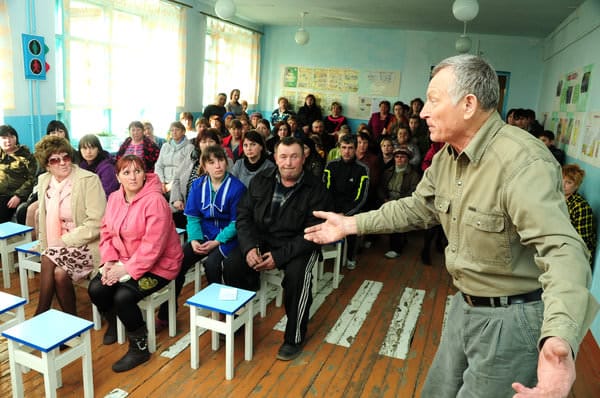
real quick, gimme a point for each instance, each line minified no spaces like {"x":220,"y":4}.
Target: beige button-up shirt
{"x":503,"y":210}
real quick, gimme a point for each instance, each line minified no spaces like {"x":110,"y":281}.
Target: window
{"x":121,"y":61}
{"x":7,"y":99}
{"x":231,"y":61}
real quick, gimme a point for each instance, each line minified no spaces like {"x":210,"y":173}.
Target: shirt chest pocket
{"x":487,"y":237}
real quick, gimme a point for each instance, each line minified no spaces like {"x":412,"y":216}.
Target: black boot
{"x":138,"y":351}
{"x":110,"y":336}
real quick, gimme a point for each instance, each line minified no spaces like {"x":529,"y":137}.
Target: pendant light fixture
{"x":302,"y":37}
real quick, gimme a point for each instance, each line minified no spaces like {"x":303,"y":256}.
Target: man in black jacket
{"x":348,"y":181}
{"x":270,"y":224}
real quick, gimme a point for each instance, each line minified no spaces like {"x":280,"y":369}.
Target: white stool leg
{"x":120,"y":331}
{"x":262,"y":297}
{"x":172,"y":309}
{"x":229,"y":347}
{"x":23,"y":277}
{"x":337,"y":265}
{"x":96,"y":317}
{"x":16,"y":378}
{"x":5,"y":263}
{"x":215,"y":335}
{"x":52,"y":377}
{"x":150,"y":326}
{"x":193,"y":338}
{"x":88,"y":376}
{"x":249,"y":327}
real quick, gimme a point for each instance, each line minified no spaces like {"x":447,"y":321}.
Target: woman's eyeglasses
{"x":53,"y":161}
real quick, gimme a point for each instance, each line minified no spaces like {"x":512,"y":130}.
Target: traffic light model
{"x":34,"y":57}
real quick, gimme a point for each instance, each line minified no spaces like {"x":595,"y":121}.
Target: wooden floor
{"x":323,"y":369}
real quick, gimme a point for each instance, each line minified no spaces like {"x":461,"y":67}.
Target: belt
{"x":503,"y":301}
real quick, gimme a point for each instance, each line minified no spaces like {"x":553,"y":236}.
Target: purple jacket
{"x":106,"y":172}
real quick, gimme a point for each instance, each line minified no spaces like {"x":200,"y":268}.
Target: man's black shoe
{"x":287,"y":351}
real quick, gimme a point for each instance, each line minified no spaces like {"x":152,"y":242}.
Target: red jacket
{"x":141,"y":234}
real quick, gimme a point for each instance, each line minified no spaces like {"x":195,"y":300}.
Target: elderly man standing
{"x":271,"y":218}
{"x":521,"y":270}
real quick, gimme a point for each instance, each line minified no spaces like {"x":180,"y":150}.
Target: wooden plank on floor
{"x":349,"y":323}
{"x":399,"y":336}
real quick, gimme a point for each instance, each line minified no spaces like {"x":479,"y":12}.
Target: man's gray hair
{"x":473,"y":75}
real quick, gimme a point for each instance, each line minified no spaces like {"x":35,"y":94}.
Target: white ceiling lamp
{"x":225,"y":9}
{"x":464,"y":10}
{"x":302,"y":37}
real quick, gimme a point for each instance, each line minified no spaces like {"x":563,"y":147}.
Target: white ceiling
{"x":531,"y":18}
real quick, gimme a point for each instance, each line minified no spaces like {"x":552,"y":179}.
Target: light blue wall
{"x":410,"y":52}
{"x":573,"y":45}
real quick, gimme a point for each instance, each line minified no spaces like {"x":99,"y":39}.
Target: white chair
{"x":210,"y":299}
{"x":46,"y":333}
{"x":337,"y":252}
{"x":29,"y":262}
{"x":270,"y":277}
{"x":149,"y":305}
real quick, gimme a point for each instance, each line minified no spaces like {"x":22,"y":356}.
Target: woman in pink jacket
{"x":140,"y":253}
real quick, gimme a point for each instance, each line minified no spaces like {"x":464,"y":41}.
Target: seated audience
{"x":99,"y":162}
{"x":547,"y":138}
{"x":172,"y":156}
{"x":234,"y":140}
{"x":296,"y":131}
{"x":308,"y":113}
{"x":140,"y":254}
{"x":71,"y":206}
{"x":419,"y":133}
{"x":373,"y":162}
{"x":335,"y":152}
{"x":387,"y":152}
{"x":187,"y":120}
{"x":398,"y":119}
{"x":149,"y":133}
{"x":580,"y":211}
{"x":335,"y":120}
{"x":139,"y":145}
{"x":415,"y":106}
{"x":271,"y":219}
{"x":211,"y":209}
{"x":281,"y":129}
{"x":379,"y":120}
{"x":327,"y":140}
{"x":313,"y":162}
{"x":255,"y":158}
{"x":282,"y":112}
{"x":17,"y":172}
{"x":233,"y":105}
{"x":218,"y":108}
{"x":403,"y":138}
{"x":398,"y":182}
{"x":254,"y":119}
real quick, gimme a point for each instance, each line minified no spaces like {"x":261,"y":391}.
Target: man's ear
{"x":470,"y":106}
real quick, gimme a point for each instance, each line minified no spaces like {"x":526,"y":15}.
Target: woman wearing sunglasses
{"x":72,"y":203}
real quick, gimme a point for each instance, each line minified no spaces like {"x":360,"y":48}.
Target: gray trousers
{"x":483,"y":350}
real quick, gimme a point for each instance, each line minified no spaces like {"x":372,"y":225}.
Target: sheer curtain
{"x":232,"y":61}
{"x":7,"y":98}
{"x":124,"y":61}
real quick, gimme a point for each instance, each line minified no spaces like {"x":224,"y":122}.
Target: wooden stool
{"x":12,"y":310}
{"x":11,"y":236}
{"x":209,"y":299}
{"x":45,"y":333}
{"x":149,"y":304}
{"x":29,"y":262}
